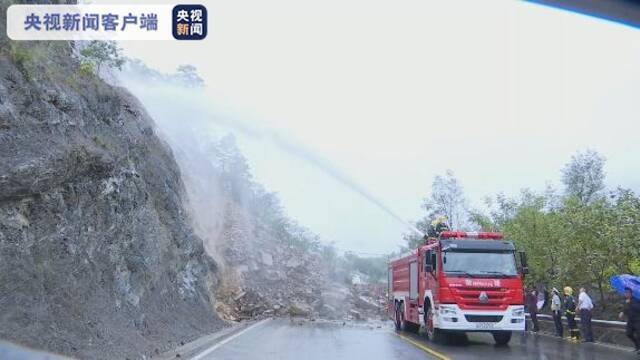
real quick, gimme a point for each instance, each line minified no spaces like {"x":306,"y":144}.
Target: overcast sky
{"x":394,"y":92}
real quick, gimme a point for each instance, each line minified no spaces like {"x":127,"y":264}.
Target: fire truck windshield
{"x":489,"y":264}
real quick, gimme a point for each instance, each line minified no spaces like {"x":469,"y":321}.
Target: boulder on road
{"x":355,"y":314}
{"x":299,"y":309}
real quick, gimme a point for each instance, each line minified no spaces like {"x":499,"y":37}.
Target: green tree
{"x":99,"y":53}
{"x":413,"y":240}
{"x":447,"y":198}
{"x":580,"y":238}
{"x":188,"y":75}
{"x":536,"y":228}
{"x":373,"y":267}
{"x":583,"y":177}
{"x":594,"y":250}
{"x":627,"y":228}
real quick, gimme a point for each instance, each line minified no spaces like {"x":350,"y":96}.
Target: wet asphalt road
{"x":282,"y":339}
{"x":529,"y":346}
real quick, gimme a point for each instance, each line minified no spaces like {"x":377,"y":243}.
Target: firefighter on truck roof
{"x":438,"y":225}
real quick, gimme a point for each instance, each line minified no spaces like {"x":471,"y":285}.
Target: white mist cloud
{"x":394,"y":92}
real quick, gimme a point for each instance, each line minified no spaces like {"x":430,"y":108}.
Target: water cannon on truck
{"x":459,"y":282}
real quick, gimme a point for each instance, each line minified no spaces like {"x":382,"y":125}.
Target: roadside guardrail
{"x":593,"y":321}
{"x":604,"y":331}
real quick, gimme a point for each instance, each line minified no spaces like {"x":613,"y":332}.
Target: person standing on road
{"x":569,"y":306}
{"x":543,"y":299}
{"x":632,"y":311}
{"x":532,"y":307}
{"x":556,"y":310}
{"x":585,"y":307}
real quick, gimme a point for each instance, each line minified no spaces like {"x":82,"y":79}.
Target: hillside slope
{"x":97,"y":256}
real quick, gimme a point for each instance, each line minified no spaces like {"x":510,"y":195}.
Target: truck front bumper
{"x":451,"y":317}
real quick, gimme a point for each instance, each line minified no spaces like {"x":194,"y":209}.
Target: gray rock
{"x":93,"y":231}
{"x":354,"y":314}
{"x":267,"y":259}
{"x":293,"y":262}
{"x":299,"y":309}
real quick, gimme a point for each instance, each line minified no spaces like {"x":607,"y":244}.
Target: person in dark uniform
{"x":438,"y":225}
{"x":632,"y":312}
{"x":569,"y":306}
{"x":532,"y":308}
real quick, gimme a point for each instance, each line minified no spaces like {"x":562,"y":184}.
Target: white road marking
{"x":214,"y":347}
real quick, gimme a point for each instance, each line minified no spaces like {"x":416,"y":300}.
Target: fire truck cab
{"x":459,"y":282}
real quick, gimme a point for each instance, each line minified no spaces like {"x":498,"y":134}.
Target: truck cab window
{"x":429,"y":261}
{"x":433,"y":260}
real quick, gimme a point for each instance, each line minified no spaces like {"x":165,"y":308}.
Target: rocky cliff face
{"x":97,"y":256}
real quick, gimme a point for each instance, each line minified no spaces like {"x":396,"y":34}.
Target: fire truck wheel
{"x":403,"y":325}
{"x":411,"y":327}
{"x":501,"y":337}
{"x":431,"y":332}
{"x":399,"y":320}
{"x":429,"y":329}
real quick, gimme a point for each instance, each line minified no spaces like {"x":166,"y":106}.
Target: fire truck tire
{"x":411,"y":327}
{"x":501,"y":337}
{"x":440,"y":336}
{"x":432,"y":333}
{"x":403,"y":325}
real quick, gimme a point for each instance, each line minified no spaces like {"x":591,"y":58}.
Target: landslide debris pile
{"x":272,"y":277}
{"x":98,"y":258}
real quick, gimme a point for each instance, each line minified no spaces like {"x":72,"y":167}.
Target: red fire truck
{"x":459,"y":282}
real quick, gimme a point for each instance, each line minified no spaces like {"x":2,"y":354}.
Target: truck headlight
{"x":447,"y":310}
{"x":517,"y":312}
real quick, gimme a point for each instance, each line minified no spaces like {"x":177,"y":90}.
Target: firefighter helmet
{"x":568,"y":290}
